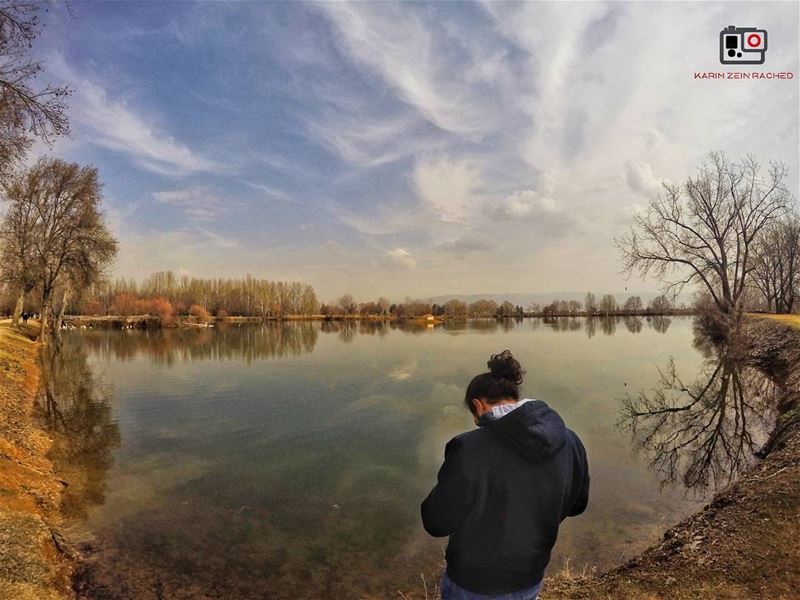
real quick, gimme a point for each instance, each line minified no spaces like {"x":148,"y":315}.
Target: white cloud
{"x":522,"y":204}
{"x":113,"y":124}
{"x":448,"y":187}
{"x":525,"y":203}
{"x":401,"y":258}
{"x":640,"y":178}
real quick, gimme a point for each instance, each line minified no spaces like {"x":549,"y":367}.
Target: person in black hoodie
{"x":504,"y":489}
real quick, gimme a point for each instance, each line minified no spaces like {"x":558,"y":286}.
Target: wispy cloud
{"x":111,"y":123}
{"x":198,"y":203}
{"x":421,"y":61}
{"x":413,"y":135}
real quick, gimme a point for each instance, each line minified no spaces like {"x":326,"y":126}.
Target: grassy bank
{"x":32,"y":567}
{"x":791,"y":320}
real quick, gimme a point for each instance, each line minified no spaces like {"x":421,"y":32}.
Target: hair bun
{"x":505,"y":366}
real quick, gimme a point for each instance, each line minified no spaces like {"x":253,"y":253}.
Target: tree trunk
{"x":18,"y":308}
{"x":43,"y":318}
{"x":60,"y":318}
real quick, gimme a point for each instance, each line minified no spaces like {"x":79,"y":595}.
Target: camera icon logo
{"x":742,"y":45}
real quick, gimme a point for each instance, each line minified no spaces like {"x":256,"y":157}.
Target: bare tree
{"x":384,"y":304}
{"x":16,"y":239}
{"x":608,"y":304}
{"x":455,"y":308}
{"x":590,"y":303}
{"x":776,"y":271}
{"x":26,"y":111}
{"x":70,"y":243}
{"x":703,"y":231}
{"x":633,"y":304}
{"x":347,"y":304}
{"x":660,"y":304}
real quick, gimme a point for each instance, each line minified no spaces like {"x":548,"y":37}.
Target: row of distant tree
{"x":607,"y":304}
{"x":184,"y":295}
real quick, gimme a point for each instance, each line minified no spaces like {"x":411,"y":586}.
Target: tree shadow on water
{"x":702,"y":433}
{"x":75,"y":409}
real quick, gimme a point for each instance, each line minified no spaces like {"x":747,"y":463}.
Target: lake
{"x":288,"y":460}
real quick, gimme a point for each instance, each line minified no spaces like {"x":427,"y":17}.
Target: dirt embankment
{"x":746,"y":542}
{"x":32,"y":563}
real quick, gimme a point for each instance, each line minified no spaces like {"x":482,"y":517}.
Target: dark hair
{"x":502,"y":380}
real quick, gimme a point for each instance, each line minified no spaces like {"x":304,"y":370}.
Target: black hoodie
{"x":501,"y":494}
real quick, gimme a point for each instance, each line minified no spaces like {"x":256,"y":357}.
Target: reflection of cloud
{"x":446,"y":418}
{"x":404,"y":371}
{"x":150,"y":479}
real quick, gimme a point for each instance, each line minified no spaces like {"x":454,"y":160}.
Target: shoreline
{"x":186,"y":322}
{"x":34,"y":564}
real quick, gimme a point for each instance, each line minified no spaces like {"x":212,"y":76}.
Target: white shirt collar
{"x":501,"y":410}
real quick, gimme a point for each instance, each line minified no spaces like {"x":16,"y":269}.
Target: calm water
{"x":289,"y":460}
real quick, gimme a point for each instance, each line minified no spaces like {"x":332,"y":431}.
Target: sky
{"x":412,"y":149}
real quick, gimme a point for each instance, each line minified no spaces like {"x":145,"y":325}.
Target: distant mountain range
{"x":545,"y":298}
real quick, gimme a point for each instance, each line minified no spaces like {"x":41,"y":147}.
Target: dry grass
{"x":30,"y":565}
{"x":793,"y":320}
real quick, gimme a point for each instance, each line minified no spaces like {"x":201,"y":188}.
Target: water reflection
{"x":705,"y":432}
{"x":633,"y":324}
{"x":282,"y":339}
{"x":303,"y":476}
{"x":75,"y":409}
{"x":659,"y":323}
{"x":226,"y":341}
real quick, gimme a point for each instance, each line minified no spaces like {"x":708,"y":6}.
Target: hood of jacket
{"x":533,"y":429}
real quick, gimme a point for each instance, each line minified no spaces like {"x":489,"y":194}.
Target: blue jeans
{"x":452,"y":591}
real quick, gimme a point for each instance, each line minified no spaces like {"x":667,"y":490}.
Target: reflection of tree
{"x":562,"y":323}
{"x":590,"y":325}
{"x":76,"y":410}
{"x":660,"y":323}
{"x":249,"y":342}
{"x":376,"y":327}
{"x":347,"y":333}
{"x":705,"y":432}
{"x":633,"y":324}
{"x":608,"y":325}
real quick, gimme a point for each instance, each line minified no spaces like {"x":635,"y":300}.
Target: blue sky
{"x":405,"y":149}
